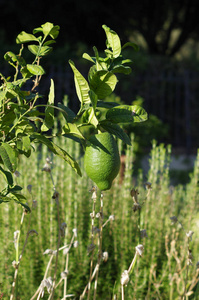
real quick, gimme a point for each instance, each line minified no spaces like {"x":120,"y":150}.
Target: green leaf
{"x":2,"y":95}
{"x":69,"y":115}
{"x":24,"y":37}
{"x":103,"y":83}
{"x":130,"y":44}
{"x":8,"y":119}
{"x":11,"y":57}
{"x":14,"y":189}
{"x":88,"y":57}
{"x":7,"y":176}
{"x":126,"y":114}
{"x":49,"y":111}
{"x":25,"y":73}
{"x":19,"y":199}
{"x":8,"y":156}
{"x":58,"y":151}
{"x":113,"y":41}
{"x":45,"y":50}
{"x":4,"y":198}
{"x":47,"y":27}
{"x":122,"y":69}
{"x":89,"y":117}
{"x":34,"y":49}
{"x":116,"y":130}
{"x":81,"y":85}
{"x":35,"y":69}
{"x":93,"y":98}
{"x":49,"y":42}
{"x":26,"y":146}
{"x":72,"y":129}
{"x":50,"y":29}
{"x":39,"y":51}
{"x":105,"y":104}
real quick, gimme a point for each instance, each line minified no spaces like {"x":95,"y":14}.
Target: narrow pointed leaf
{"x":26,"y":146}
{"x":81,"y":85}
{"x":88,"y":57}
{"x":8,"y":156}
{"x":130,"y":44}
{"x":69,"y":115}
{"x":49,"y":111}
{"x":92,"y":119}
{"x":113,"y":41}
{"x":4,"y":198}
{"x":19,"y":199}
{"x":7,"y":176}
{"x":58,"y":151}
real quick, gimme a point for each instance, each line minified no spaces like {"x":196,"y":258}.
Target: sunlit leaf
{"x":113,"y":41}
{"x":24,"y":37}
{"x":49,"y":111}
{"x":50,"y":29}
{"x":82,"y":87}
{"x":88,"y":57}
{"x":103,"y":83}
{"x":35,"y":70}
{"x":40,"y":51}
{"x":26,"y":145}
{"x":72,"y":129}
{"x":89,"y":117}
{"x":49,"y":42}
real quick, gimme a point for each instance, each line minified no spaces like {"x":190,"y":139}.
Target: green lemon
{"x":102,"y":160}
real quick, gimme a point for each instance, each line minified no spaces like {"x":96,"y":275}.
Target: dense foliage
{"x":22,"y":124}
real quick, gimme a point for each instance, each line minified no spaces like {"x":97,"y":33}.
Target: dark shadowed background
{"x":165,"y":71}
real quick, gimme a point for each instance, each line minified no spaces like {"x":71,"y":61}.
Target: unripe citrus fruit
{"x":102,"y":160}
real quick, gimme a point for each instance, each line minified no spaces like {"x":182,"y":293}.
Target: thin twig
{"x":56,"y":197}
{"x":92,"y":276}
{"x":94,"y":198}
{"x":122,"y":291}
{"x":66,"y":265}
{"x":100,"y":243}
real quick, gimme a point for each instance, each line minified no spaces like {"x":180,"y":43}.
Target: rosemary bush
{"x":166,"y":270}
